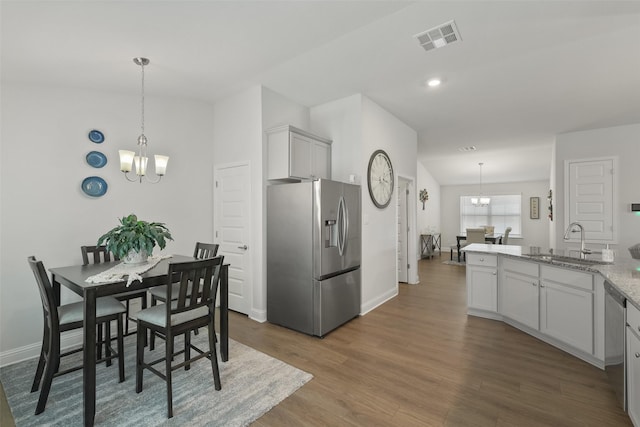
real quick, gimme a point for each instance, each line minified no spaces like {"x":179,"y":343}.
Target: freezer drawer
{"x":336,"y":301}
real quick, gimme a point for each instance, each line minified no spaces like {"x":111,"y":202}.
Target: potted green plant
{"x":133,"y":241}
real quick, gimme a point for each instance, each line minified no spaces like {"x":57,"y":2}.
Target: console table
{"x":428,"y":245}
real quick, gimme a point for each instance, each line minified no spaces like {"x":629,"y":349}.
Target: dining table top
{"x":76,"y":275}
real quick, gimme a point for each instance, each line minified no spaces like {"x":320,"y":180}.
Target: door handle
{"x":245,"y":247}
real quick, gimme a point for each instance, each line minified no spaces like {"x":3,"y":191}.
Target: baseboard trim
{"x":376,"y":302}
{"x":29,"y":351}
{"x":68,"y":340}
{"x":259,"y":316}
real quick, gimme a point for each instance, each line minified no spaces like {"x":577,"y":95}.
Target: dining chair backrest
{"x":49,"y":307}
{"x":505,"y":237}
{"x":206,"y":272}
{"x":98,"y":254}
{"x":205,"y":250}
{"x":475,"y":235}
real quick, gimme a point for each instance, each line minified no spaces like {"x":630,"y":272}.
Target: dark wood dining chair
{"x":99,"y":254}
{"x":159,"y":293}
{"x":179,"y":317}
{"x":58,"y":319}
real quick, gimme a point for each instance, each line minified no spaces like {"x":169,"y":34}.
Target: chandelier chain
{"x":142,"y":101}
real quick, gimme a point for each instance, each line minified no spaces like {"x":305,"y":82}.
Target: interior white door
{"x":403,"y":240}
{"x":590,"y":198}
{"x":232,"y":222}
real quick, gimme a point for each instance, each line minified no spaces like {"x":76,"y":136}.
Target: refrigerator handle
{"x":343,"y":225}
{"x":339,"y":223}
{"x":345,"y":216}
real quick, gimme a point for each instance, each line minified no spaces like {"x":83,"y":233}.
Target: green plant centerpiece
{"x":133,"y":240}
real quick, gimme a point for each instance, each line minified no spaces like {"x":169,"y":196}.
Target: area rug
{"x":453,"y":263}
{"x":252,"y":383}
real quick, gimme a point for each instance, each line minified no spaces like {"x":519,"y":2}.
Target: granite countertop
{"x":623,"y":274}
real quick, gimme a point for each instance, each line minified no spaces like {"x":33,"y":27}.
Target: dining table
{"x":74,"y":277}
{"x":489,"y":238}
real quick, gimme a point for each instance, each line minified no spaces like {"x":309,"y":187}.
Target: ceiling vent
{"x":469,"y":148}
{"x":439,"y":36}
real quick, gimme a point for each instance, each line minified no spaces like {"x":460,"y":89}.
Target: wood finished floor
{"x":418,"y":360}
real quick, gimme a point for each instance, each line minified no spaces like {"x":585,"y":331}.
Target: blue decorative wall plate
{"x":94,"y":186}
{"x":96,"y":136}
{"x":96,"y":159}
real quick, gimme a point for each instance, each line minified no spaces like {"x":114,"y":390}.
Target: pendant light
{"x":480,"y":201}
{"x":129,"y":158}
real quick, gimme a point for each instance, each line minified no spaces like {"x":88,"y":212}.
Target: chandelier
{"x":480,"y":201}
{"x":140,"y":159}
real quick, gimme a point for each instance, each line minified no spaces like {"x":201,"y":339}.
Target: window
{"x":503,"y":211}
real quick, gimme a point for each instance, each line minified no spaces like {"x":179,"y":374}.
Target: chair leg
{"x":121,"y":345}
{"x":187,"y":349}
{"x":107,"y":342}
{"x":143,"y":305}
{"x":140,"y":356}
{"x":50,"y":370}
{"x":214,"y":357}
{"x":152,"y":335}
{"x":100,"y":340}
{"x":168,"y":357}
{"x":44,"y":350}
{"x":126,"y":316}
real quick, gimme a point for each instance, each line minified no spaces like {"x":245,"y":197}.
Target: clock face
{"x":380,"y":178}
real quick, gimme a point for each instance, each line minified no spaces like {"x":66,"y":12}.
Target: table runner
{"x":133,"y":271}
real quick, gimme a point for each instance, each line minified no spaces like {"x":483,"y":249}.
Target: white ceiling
{"x":523,"y":72}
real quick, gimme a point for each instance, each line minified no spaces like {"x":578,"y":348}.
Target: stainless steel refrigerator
{"x":313,"y":255}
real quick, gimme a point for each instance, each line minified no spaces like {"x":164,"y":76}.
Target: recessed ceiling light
{"x":434,"y":82}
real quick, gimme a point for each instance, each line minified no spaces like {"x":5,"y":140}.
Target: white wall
{"x":358,"y":127}
{"x":551,"y":214}
{"x":535,"y":232}
{"x":381,"y":130}
{"x":428,"y":219}
{"x":44,"y":212}
{"x":341,"y":121}
{"x":237,"y":138}
{"x":622,"y":142}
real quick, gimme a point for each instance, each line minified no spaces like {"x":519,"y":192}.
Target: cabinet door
{"x":633,"y":376}
{"x":566,"y":314}
{"x":482,"y":288}
{"x":321,"y":160}
{"x":300,"y":156}
{"x":519,"y":298}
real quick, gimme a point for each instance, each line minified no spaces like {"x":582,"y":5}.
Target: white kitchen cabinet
{"x":294,"y":155}
{"x":482,"y":284}
{"x":633,"y":364}
{"x":519,"y":292}
{"x":566,"y":306}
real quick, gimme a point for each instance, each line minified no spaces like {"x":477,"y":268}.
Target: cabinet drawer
{"x":633,"y":318}
{"x":521,"y":267}
{"x":567,"y":277}
{"x":482,"y":259}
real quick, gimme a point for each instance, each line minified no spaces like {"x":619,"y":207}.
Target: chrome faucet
{"x":583,"y":251}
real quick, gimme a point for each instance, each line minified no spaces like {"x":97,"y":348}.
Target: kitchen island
{"x":623,"y":274}
{"x":561,"y":301}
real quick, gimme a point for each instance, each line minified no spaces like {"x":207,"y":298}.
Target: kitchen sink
{"x":561,"y":259}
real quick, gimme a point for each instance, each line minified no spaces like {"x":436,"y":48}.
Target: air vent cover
{"x":439,"y":36}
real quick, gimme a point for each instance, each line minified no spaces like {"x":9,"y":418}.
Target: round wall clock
{"x":380,"y":178}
